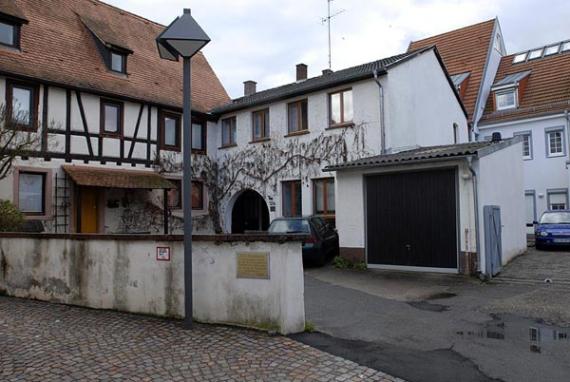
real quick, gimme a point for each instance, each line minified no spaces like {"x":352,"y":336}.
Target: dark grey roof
{"x":458,"y":79}
{"x":324,"y":81}
{"x":512,"y":79}
{"x":421,"y":154}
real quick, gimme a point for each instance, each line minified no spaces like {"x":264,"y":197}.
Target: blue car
{"x":553,"y":229}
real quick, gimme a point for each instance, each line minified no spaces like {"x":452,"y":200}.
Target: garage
{"x":427,"y":209}
{"x":411,"y":219}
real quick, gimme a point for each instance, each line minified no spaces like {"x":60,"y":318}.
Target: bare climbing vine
{"x":262,"y":166}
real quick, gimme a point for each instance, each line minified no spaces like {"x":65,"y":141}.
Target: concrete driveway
{"x":443,"y":328}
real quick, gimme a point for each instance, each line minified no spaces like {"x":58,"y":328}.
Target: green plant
{"x":343,"y":263}
{"x":11,"y":219}
{"x":309,"y":327}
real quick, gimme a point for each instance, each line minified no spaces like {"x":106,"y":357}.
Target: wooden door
{"x":89,"y":211}
{"x":412,"y":219}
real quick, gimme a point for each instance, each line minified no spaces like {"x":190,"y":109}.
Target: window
{"x":566,"y":46}
{"x":323,"y":196}
{"x":530,"y":203}
{"x":31,"y":193}
{"x":519,"y":58}
{"x":170,"y":131}
{"x":118,"y":62}
{"x":533,"y":54}
{"x":260,"y":127}
{"x":111,"y":118}
{"x":557,"y":199}
{"x":9,"y":34}
{"x":526,"y":144}
{"x":340,"y":108}
{"x":550,"y":50}
{"x":292,"y":199}
{"x":555,"y":143}
{"x":229,"y":132}
{"x":199,"y":137}
{"x":297,"y":117}
{"x":175,"y":194}
{"x":506,"y":99}
{"x":197,"y":195}
{"x":22,"y":105}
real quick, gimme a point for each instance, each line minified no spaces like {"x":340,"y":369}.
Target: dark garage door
{"x":412,"y":219}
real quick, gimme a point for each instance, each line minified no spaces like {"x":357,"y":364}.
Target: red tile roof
{"x":464,"y":50}
{"x":547,"y":90}
{"x":58,"y":47}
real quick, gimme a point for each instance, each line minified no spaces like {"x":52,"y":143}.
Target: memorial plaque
{"x":253,"y":265}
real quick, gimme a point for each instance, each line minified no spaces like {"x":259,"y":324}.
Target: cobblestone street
{"x":48,"y":342}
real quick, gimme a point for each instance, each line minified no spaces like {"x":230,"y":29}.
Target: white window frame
{"x":556,"y":191}
{"x":552,"y":52}
{"x":547,"y":133}
{"x":505,"y":91}
{"x":530,"y":148}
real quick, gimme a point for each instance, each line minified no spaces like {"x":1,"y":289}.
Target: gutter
{"x":476,"y":206}
{"x":382,"y":119}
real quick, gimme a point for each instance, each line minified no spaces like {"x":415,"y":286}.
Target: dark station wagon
{"x":322,"y":243}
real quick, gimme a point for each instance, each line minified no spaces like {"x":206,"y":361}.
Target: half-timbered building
{"x":86,"y":80}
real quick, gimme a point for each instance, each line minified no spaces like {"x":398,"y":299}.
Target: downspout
{"x":382,"y":125}
{"x":567,"y":118}
{"x":476,"y":206}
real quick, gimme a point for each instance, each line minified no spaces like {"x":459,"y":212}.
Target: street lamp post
{"x":184,"y":38}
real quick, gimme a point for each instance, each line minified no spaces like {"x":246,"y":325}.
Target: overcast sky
{"x":263,"y":40}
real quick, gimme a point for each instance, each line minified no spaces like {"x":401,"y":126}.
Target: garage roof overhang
{"x":126,"y":179}
{"x":426,"y":155}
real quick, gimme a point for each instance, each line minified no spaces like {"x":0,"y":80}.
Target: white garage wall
{"x":351,"y":205}
{"x":500,"y":182}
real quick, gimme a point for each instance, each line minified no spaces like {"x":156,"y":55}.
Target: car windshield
{"x":555,"y":218}
{"x":290,"y":226}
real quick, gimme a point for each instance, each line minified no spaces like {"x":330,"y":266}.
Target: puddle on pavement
{"x":539,"y":338}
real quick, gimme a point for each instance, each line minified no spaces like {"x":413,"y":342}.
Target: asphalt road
{"x":440,"y":328}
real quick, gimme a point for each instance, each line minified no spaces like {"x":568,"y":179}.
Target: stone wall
{"x":124,"y":273}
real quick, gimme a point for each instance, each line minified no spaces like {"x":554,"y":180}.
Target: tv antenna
{"x":327,"y":20}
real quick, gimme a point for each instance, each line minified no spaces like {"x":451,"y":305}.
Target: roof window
{"x":550,"y":50}
{"x":519,"y":58}
{"x":566,"y":46}
{"x":534,"y":54}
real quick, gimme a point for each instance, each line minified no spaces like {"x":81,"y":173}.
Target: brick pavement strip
{"x":49,"y":342}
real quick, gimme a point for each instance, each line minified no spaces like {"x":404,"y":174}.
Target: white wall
{"x":125,"y":275}
{"x":500,"y":182}
{"x":421,"y":106}
{"x":541,"y":173}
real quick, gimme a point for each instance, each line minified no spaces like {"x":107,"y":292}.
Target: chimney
{"x":496,"y":137}
{"x":249,"y":88}
{"x":301,"y":72}
{"x":327,"y":71}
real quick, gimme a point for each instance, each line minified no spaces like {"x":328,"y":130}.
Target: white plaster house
{"x":291,"y":132}
{"x":86,"y":79}
{"x":446,"y":208}
{"x":530,"y":98}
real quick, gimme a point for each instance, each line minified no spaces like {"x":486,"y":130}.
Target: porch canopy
{"x":117,"y":178}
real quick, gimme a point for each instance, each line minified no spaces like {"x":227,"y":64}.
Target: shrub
{"x":11,"y":219}
{"x":342,"y":263}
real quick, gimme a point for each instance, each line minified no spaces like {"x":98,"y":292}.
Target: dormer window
{"x":112,"y":48}
{"x":118,"y":62}
{"x":506,"y":99}
{"x":9,"y":34}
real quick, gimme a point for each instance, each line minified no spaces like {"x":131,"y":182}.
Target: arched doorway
{"x":250,"y":213}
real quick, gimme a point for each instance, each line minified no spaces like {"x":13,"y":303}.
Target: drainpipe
{"x":567,"y":118}
{"x":382,"y":126}
{"x":476,"y":206}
